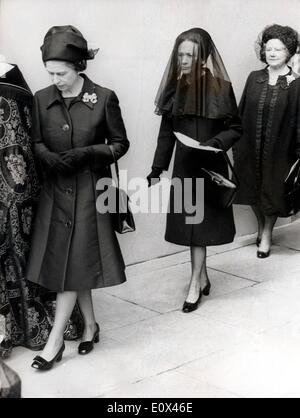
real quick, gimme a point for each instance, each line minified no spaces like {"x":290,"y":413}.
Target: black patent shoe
{"x":190,"y":307}
{"x":87,"y":346}
{"x":206,"y":289}
{"x":40,"y":363}
{"x":263,"y":254}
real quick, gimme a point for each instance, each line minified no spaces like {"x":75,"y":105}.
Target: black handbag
{"x":220,"y":191}
{"x":122,"y":217}
{"x":292,"y":188}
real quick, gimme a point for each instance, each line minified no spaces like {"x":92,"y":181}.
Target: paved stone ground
{"x":243,"y":341}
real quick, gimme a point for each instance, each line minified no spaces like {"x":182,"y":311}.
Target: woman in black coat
{"x":196,"y":99}
{"x":74,"y":247}
{"x":270,"y":143}
{"x":27,"y":310}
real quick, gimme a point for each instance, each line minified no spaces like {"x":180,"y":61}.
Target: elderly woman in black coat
{"x":270,"y":114}
{"x":196,"y":99}
{"x":74,"y":247}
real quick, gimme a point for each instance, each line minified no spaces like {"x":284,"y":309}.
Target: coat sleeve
{"x":295,"y":118}
{"x":165,"y":144}
{"x":232,"y":129}
{"x":116,"y":134}
{"x":36,"y":132}
{"x":244,"y":96}
{"x":231,"y":134}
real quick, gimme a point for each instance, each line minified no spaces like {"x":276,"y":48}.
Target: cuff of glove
{"x":102,"y":154}
{"x":85,"y":155}
{"x":83,"y":150}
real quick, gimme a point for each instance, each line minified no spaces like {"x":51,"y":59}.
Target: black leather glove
{"x":77,"y":157}
{"x":154,"y":177}
{"x":53,"y":162}
{"x":214,"y":142}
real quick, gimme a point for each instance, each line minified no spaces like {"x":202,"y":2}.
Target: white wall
{"x":135,"y":38}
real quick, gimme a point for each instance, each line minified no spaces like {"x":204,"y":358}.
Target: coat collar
{"x":88,"y":87}
{"x":264,"y":75}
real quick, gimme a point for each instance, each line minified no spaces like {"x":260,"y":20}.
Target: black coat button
{"x":68,"y":224}
{"x":65,"y":127}
{"x":69,"y":190}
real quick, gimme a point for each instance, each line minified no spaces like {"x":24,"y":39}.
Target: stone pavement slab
{"x":165,"y":290}
{"x":242,"y":341}
{"x":243,"y":263}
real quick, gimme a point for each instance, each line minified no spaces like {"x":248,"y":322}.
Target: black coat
{"x":262,"y":174}
{"x":74,"y":247}
{"x":217,"y":226}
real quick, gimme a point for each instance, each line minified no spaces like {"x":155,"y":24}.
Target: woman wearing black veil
{"x":195,"y":98}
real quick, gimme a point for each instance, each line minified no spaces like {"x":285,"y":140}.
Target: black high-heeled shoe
{"x":263,"y":254}
{"x":206,"y":289}
{"x":40,"y":363}
{"x":190,"y":307}
{"x":87,"y":346}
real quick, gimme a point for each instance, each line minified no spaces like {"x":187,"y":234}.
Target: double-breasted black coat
{"x":74,"y":247}
{"x":266,"y":151}
{"x":217,"y":226}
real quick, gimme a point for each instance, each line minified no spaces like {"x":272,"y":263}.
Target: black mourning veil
{"x":206,"y":91}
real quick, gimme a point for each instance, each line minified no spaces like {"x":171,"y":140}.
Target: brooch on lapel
{"x":285,"y":81}
{"x":90,"y":98}
{"x":290,"y":78}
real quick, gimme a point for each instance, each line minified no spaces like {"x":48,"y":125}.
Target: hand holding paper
{"x":190,"y":142}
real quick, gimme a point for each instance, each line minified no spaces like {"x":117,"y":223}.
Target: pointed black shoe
{"x":190,"y":307}
{"x":87,"y":346}
{"x":206,"y":289}
{"x":40,"y":363}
